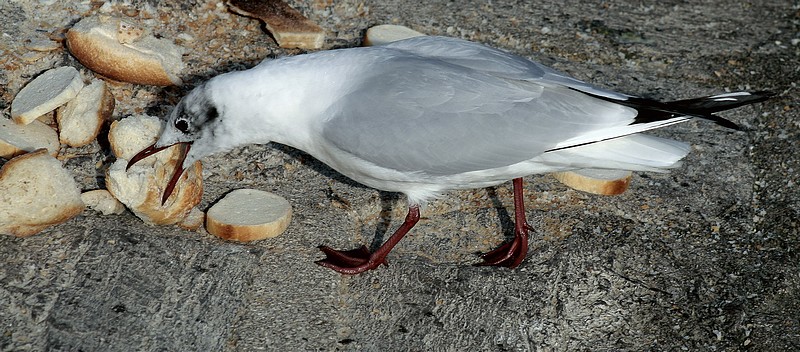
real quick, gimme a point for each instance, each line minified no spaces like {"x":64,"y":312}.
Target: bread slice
{"x":42,"y":45}
{"x":288,"y":26}
{"x":387,"y":33}
{"x":141,"y":187}
{"x":16,"y":139}
{"x":36,"y":192}
{"x":249,"y":215}
{"x":80,"y":120}
{"x":102,"y":201}
{"x":125,"y":52}
{"x":597,"y":181}
{"x":45,"y":93}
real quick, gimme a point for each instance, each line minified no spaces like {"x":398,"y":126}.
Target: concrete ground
{"x":703,"y":258}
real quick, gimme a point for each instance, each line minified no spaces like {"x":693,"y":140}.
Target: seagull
{"x":426,"y":115}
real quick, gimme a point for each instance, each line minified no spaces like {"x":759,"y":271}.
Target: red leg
{"x":359,"y":260}
{"x":512,"y":253}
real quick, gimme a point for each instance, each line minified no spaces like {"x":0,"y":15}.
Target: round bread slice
{"x":596,"y":181}
{"x":249,"y":215}
{"x":387,"y":33}
{"x":125,"y":52}
{"x":45,"y":93}
{"x":16,"y":139}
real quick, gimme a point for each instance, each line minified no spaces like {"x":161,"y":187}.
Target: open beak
{"x":176,"y":175}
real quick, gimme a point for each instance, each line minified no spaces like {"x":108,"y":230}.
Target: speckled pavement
{"x":704,"y":258}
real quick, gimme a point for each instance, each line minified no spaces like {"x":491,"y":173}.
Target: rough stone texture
{"x":703,"y":258}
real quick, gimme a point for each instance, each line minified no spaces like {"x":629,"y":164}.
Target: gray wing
{"x":495,"y":62}
{"x":419,"y":114}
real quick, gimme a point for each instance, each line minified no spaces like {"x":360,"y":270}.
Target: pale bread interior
{"x":17,"y":139}
{"x":80,"y":120}
{"x":36,"y":192}
{"x":387,"y":33}
{"x":45,"y":93}
{"x":130,"y":135}
{"x":249,"y":214}
{"x":103,"y":201}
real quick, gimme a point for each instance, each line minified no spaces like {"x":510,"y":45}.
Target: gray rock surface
{"x":703,"y":258}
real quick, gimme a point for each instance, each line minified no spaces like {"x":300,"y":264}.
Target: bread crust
{"x":269,"y":224}
{"x":48,"y":198}
{"x":150,"y":61}
{"x":288,"y":26}
{"x":584,"y":181}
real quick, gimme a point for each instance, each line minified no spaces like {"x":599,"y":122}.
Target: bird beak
{"x":178,"y":168}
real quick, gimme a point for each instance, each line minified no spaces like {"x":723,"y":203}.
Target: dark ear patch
{"x":212,"y":113}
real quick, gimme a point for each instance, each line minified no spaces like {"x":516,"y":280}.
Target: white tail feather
{"x":616,"y":132}
{"x":635,"y":152}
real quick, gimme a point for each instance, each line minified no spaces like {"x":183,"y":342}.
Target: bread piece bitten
{"x":141,"y":187}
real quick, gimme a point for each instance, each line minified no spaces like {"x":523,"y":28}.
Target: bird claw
{"x":510,"y":254}
{"x":350,"y":262}
{"x":359,"y":260}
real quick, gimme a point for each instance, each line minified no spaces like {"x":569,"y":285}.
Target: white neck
{"x":272,"y":103}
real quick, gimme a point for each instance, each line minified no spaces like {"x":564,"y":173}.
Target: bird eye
{"x":182,"y":125}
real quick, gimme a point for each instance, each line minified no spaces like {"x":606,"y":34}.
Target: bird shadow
{"x":388,"y":200}
{"x":309,"y":161}
{"x":506,"y":220}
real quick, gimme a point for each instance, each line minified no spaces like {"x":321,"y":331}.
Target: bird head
{"x":193,"y":123}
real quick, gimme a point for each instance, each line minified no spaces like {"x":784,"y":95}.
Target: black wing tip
{"x":650,"y":110}
{"x":751,"y":98}
{"x":724,"y":122}
{"x":762,"y":95}
{"x":721,"y":102}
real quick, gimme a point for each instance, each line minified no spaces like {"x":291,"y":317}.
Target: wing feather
{"x":495,"y":62}
{"x":458,"y":118}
